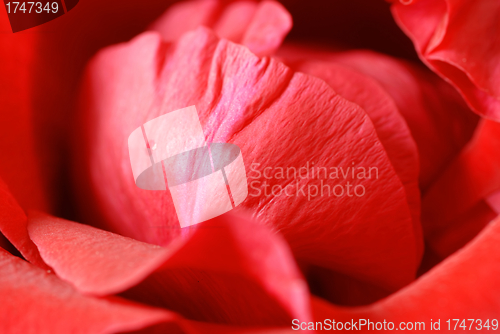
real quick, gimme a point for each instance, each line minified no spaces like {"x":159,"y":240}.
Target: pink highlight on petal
{"x":236,"y":178}
{"x":183,"y":162}
{"x":191,"y":199}
{"x":184,"y":16}
{"x":268,"y":28}
{"x":177,"y":131}
{"x":235,"y":19}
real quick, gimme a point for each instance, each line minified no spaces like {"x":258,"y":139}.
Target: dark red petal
{"x":353,"y":24}
{"x":459,"y":40}
{"x":228,"y":270}
{"x":341,"y":289}
{"x":464,"y":286}
{"x":35,"y":301}
{"x":278,"y":118}
{"x":50,"y":72}
{"x":13,"y":223}
{"x":6,"y":244}
{"x":470,"y":179}
{"x":443,"y":241}
{"x":19,"y":163}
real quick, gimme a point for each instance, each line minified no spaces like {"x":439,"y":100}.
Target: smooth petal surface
{"x":261,"y":26}
{"x":459,"y":40}
{"x":96,"y":262}
{"x":279,"y":119}
{"x":185,"y":16}
{"x":234,"y":20}
{"x":464,"y":286}
{"x":45,"y":78}
{"x":493,"y":201}
{"x":229,"y":270}
{"x":268,"y":28}
{"x":35,"y":301}
{"x":20,"y":167}
{"x":461,"y":190}
{"x":13,"y":223}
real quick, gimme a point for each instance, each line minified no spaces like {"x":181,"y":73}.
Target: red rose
{"x":394,"y":222}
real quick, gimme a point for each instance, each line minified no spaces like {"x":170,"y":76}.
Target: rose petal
{"x":333,"y":132}
{"x":50,"y":71}
{"x":185,"y":16}
{"x":96,"y":262}
{"x":19,"y":165}
{"x":13,"y":223}
{"x":250,"y":102}
{"x":229,"y":256}
{"x":449,"y":38}
{"x":341,"y":289}
{"x":449,"y":291}
{"x":390,"y":126}
{"x":471,"y":178}
{"x":459,"y":231}
{"x":34,"y":301}
{"x":440,"y":122}
{"x":235,"y":19}
{"x":494,"y":201}
{"x":261,"y":26}
{"x":268,"y":28}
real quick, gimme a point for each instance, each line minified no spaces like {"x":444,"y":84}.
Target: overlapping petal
{"x":440,"y":122}
{"x":229,"y":270}
{"x":36,"y":301}
{"x":459,"y":40}
{"x":94,"y":261}
{"x":454,"y":204}
{"x":390,"y":126}
{"x":13,"y":225}
{"x":464,"y":286}
{"x":261,"y":26}
{"x":242,"y":99}
{"x":42,"y":80}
